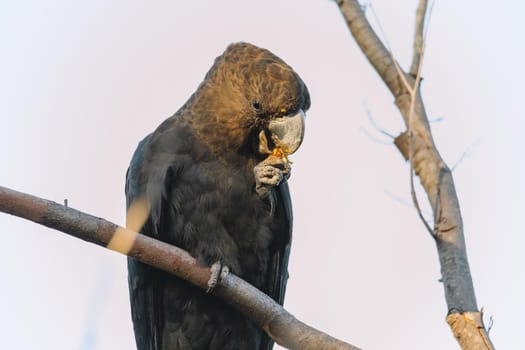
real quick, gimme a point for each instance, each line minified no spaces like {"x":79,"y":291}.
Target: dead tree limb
{"x":280,"y":325}
{"x":417,"y":146}
{"x":419,"y":38}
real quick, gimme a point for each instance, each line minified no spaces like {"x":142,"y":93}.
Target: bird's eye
{"x":256,"y":105}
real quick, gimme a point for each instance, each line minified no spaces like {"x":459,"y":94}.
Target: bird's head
{"x":251,"y":101}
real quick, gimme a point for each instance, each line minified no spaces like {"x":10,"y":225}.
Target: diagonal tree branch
{"x":279,"y":324}
{"x":417,"y":146}
{"x":419,"y":40}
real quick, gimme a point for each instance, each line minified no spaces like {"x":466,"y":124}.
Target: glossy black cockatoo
{"x":213,"y":180}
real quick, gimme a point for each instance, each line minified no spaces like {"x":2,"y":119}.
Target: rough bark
{"x":418,"y":147}
{"x":280,"y":325}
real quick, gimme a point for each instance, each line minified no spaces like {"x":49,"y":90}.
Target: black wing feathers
{"x":195,"y":175}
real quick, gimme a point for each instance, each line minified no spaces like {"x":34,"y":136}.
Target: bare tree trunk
{"x":417,"y":146}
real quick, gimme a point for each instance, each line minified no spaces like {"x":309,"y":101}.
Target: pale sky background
{"x":82,"y":82}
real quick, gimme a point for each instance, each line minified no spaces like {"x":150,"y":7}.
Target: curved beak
{"x":288,"y":132}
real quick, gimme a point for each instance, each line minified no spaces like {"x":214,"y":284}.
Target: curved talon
{"x":218,"y":271}
{"x":224,"y":271}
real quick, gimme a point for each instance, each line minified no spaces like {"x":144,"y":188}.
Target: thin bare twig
{"x":466,"y":154}
{"x":373,"y":122}
{"x":380,"y":27}
{"x":408,"y":204}
{"x":373,"y":138}
{"x":418,"y":37}
{"x":491,"y":324}
{"x":419,"y":49}
{"x":413,"y":92}
{"x":419,"y":45}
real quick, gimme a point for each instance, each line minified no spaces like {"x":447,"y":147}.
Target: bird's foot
{"x":218,"y":271}
{"x":269,"y":173}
